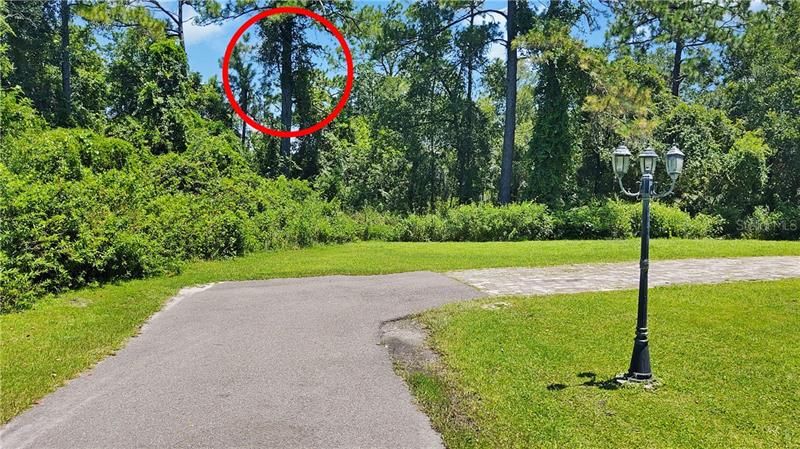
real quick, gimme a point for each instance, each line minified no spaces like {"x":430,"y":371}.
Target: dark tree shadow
{"x":608,"y":384}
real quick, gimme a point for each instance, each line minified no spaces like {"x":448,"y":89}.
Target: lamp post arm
{"x":671,"y":188}
{"x":625,"y":191}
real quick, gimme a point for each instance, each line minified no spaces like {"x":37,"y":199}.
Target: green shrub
{"x":742,"y":180}
{"x":47,"y":155}
{"x":705,"y":226}
{"x":525,"y":221}
{"x":16,"y":288}
{"x":790,"y":228}
{"x":421,"y":228}
{"x":666,"y":221}
{"x":618,"y":219}
{"x":78,"y":208}
{"x":17,"y":115}
{"x":175,"y":172}
{"x":220,"y":235}
{"x":782,"y":223}
{"x":531,"y":221}
{"x":611,"y":219}
{"x":65,"y":154}
{"x":377,"y":226}
{"x":705,"y":135}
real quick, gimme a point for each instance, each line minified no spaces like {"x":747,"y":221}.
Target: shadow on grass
{"x":608,"y":384}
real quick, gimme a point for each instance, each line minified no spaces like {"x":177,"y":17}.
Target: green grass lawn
{"x":59,"y":337}
{"x":534,"y":374}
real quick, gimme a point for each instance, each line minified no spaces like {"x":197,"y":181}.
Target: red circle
{"x":277,"y":132}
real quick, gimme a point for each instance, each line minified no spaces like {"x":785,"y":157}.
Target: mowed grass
{"x":60,"y":337}
{"x":534,"y":374}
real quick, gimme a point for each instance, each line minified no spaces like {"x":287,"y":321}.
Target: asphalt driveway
{"x":267,"y":364}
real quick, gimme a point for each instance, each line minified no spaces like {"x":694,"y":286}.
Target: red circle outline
{"x":277,"y":132}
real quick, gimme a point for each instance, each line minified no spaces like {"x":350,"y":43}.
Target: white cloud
{"x":757,"y":5}
{"x":194,"y":33}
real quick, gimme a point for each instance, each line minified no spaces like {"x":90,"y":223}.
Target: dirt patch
{"x":405,"y":340}
{"x":447,"y":407}
{"x":79,"y":302}
{"x":496,"y":305}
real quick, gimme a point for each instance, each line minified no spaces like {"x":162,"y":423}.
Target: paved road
{"x":295,"y":362}
{"x":620,"y":276}
{"x":269,"y":364}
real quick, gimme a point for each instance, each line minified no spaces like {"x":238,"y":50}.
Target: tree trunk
{"x":66,"y":86}
{"x":677,"y":59}
{"x":180,"y":25}
{"x":465,"y":151}
{"x":431,"y":145}
{"x":286,"y":86}
{"x":243,"y":101}
{"x":511,"y":105}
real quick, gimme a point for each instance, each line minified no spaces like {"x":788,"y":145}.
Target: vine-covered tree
{"x":563,"y":82}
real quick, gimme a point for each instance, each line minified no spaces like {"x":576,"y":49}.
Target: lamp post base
{"x":648,"y":383}
{"x":638,"y":378}
{"x":639,"y":368}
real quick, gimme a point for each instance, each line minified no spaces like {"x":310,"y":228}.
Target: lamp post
{"x":639,"y":370}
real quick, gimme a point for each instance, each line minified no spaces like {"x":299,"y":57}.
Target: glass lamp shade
{"x":647,"y":160}
{"x":674,"y":162}
{"x":621,"y":160}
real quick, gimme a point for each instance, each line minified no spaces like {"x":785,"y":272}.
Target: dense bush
{"x":377,"y":226}
{"x":525,"y":221}
{"x":611,"y":219}
{"x":704,"y":135}
{"x":615,"y":219}
{"x":741,"y":181}
{"x":531,"y":221}
{"x":668,"y":221}
{"x":17,"y":114}
{"x":63,"y":154}
{"x":781,"y":223}
{"x":78,"y":208}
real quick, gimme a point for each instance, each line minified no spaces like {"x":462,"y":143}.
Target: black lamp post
{"x":639,"y":370}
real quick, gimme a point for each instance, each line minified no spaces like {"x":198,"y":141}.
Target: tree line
{"x":434,"y":119}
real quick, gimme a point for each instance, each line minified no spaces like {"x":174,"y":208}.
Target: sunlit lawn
{"x":60,"y":337}
{"x":535,"y":374}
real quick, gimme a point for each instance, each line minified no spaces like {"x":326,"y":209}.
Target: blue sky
{"x":205,"y":45}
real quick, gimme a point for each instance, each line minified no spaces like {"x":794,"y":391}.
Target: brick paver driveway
{"x":620,"y":276}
